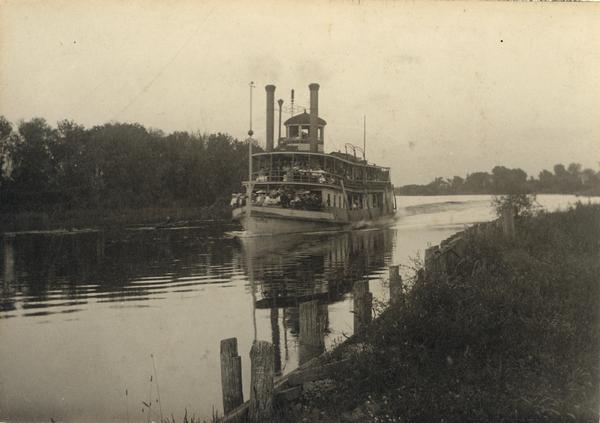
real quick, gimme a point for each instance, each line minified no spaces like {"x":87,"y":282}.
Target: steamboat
{"x":296,"y":187}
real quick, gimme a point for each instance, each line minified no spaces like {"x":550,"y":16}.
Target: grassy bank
{"x":109,"y":218}
{"x":511,"y":335}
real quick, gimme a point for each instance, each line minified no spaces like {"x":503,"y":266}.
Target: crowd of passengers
{"x":299,"y":172}
{"x":283,"y":197}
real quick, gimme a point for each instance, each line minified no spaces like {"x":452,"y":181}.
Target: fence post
{"x":311,"y":331}
{"x":508,"y":222}
{"x":363,"y":303}
{"x":261,"y":382}
{"x":395,"y":285}
{"x":231,"y":375}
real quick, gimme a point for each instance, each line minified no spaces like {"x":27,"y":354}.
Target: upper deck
{"x":335,"y":169}
{"x":299,"y":158}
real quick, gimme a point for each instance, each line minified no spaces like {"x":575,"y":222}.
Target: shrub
{"x":524,"y":205}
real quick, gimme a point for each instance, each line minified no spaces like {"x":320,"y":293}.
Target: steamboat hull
{"x":272,"y":221}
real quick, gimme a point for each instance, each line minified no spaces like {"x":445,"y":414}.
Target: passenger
{"x":260,"y":199}
{"x":262,"y":176}
{"x":296,"y":202}
{"x":272,"y":199}
{"x":284,"y":199}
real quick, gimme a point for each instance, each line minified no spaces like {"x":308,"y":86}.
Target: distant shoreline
{"x":593,"y":193}
{"x":110,"y":218}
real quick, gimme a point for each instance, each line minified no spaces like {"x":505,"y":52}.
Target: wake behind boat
{"x":296,"y":187}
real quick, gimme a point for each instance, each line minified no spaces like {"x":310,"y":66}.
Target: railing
{"x":308,"y":176}
{"x":298,"y":176}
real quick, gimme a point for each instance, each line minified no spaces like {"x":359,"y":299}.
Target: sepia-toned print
{"x":299,"y":211}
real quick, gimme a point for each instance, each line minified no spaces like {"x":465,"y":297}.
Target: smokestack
{"x":270,"y":89}
{"x":280,"y":102}
{"x":313,"y":134}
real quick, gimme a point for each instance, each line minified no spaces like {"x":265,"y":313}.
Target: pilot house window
{"x":305,"y":130}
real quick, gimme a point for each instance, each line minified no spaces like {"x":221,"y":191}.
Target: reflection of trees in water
{"x":74,"y":267}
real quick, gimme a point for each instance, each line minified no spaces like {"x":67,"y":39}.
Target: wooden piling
{"x":431,"y":257}
{"x":275,"y":339}
{"x":363,"y":304}
{"x":395,"y":285}
{"x":261,"y":382}
{"x":508,"y":222}
{"x":311,"y":337}
{"x":231,"y":375}
{"x":8,"y":252}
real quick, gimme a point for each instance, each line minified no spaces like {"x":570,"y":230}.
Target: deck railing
{"x":308,"y":176}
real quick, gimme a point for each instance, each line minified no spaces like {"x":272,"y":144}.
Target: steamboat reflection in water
{"x":287,"y":271}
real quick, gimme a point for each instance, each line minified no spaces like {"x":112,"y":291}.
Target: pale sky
{"x":447,"y":88}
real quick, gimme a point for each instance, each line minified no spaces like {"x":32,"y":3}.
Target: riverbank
{"x":509,"y":334}
{"x":111,"y":218}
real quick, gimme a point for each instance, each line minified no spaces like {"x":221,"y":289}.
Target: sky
{"x":447,"y":88}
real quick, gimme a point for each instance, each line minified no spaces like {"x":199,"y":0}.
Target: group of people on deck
{"x":283,"y":197}
{"x":300,"y":172}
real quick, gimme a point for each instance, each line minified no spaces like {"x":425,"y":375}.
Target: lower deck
{"x":318,"y":198}
{"x":265,"y":220}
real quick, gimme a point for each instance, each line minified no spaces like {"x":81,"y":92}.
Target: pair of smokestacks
{"x":313,"y":132}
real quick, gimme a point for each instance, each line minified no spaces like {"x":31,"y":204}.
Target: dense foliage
{"x":512,"y":335}
{"x":115,"y":165}
{"x":522,"y":205}
{"x":502,"y":180}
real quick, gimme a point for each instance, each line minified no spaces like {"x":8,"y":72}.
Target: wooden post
{"x":231,"y":375}
{"x":261,"y":382}
{"x":395,"y":286}
{"x":100,"y":245}
{"x":311,"y":331}
{"x":363,"y":303}
{"x":8,"y":248}
{"x":431,"y":256}
{"x":508,"y":222}
{"x":275,"y":339}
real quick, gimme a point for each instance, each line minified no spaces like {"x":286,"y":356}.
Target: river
{"x":93,"y":324}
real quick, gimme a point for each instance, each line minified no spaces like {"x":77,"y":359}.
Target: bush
{"x":524,"y":205}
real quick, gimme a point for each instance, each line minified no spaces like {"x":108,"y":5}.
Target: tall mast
{"x":250,"y":140}
{"x":364,"y":137}
{"x":250,"y":133}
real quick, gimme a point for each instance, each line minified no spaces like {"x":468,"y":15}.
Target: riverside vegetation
{"x":502,"y":180}
{"x":116,"y":173}
{"x":511,"y":335}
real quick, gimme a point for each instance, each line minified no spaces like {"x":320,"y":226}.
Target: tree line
{"x":114,"y":165}
{"x":502,"y":180}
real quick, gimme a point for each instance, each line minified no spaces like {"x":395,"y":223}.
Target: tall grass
{"x":512,"y":335}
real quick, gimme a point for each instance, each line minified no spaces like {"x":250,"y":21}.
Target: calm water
{"x":86,"y":319}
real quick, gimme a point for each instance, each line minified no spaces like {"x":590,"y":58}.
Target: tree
{"x":5,"y":132}
{"x":33,"y":180}
{"x":523,"y":205}
{"x":509,"y":181}
{"x":478,"y":183}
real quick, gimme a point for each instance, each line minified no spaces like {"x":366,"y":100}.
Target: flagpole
{"x":249,"y":185}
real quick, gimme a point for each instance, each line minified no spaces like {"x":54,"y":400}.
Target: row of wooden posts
{"x":263,"y":387}
{"x":442,"y":259}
